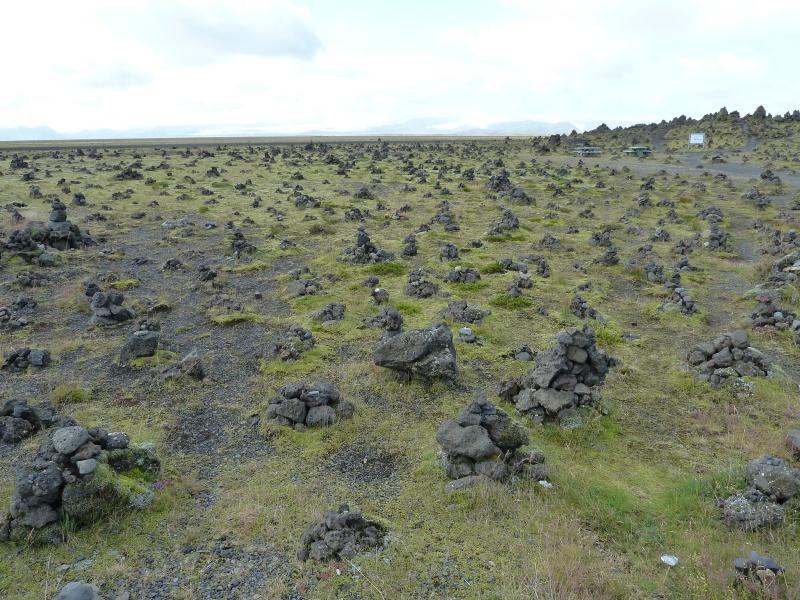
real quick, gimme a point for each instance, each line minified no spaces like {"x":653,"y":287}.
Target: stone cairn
{"x":107,"y":309}
{"x":563,"y":378}
{"x":9,"y":320}
{"x":726,"y":358}
{"x":771,"y":482}
{"x":507,"y":223}
{"x":679,"y":297}
{"x":425,"y":353}
{"x":340,"y":534}
{"x":19,"y":421}
{"x":300,"y":405}
{"x":418,"y":286}
{"x":389,"y":320}
{"x":58,"y":233}
{"x":766,"y":314}
{"x":463,"y":275}
{"x":484,"y":442}
{"x":460,"y":312}
{"x":291,"y":344}
{"x":75,"y":475}
{"x":20,"y":359}
{"x":365,"y":252}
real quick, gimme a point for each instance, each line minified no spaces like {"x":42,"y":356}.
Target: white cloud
{"x":287,"y":65}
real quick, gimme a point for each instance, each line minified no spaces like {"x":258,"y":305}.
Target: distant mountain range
{"x":410,"y":127}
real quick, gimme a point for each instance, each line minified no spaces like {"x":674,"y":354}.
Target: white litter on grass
{"x":669,"y":560}
{"x":338,"y":572}
{"x":546,"y":484}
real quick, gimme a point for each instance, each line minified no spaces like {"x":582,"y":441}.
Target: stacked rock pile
{"x":365,"y":252}
{"x":142,"y":342}
{"x":726,"y":358}
{"x":483,"y":441}
{"x":460,"y":312}
{"x":418,"y":286}
{"x":563,"y":379}
{"x":107,"y":309}
{"x":81,"y":475}
{"x":20,"y":359}
{"x":508,"y":222}
{"x":19,"y":421}
{"x":771,"y":482}
{"x":767,"y":314}
{"x":290,"y":344}
{"x":463,"y":275}
{"x":300,"y":405}
{"x":389,"y":320}
{"x":341,"y":533}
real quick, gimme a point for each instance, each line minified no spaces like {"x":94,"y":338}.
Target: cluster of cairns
{"x":425,"y":353}
{"x":58,"y":233}
{"x":365,"y":252}
{"x":290,"y":344}
{"x":771,"y":483}
{"x":20,"y":359}
{"x":18,"y":420}
{"x":78,"y":475}
{"x":107,"y":307}
{"x":301,"y":405}
{"x":727,"y":358}
{"x":483,"y":442}
{"x":342,"y":534}
{"x":563,"y":379}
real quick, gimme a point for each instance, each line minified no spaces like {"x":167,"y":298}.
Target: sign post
{"x":697,"y":139}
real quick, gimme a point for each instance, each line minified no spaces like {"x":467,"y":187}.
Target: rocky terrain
{"x":403,"y":331}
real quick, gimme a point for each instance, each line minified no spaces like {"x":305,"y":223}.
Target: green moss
{"x":125,"y":284}
{"x":511,"y":303}
{"x":393,"y":269}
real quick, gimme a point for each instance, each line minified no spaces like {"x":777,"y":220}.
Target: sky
{"x":291,"y":66}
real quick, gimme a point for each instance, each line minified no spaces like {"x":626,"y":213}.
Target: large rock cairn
{"x":771,"y":482}
{"x":79,"y":475}
{"x":563,"y":379}
{"x":107,"y":309}
{"x":300,"y":405}
{"x":484,"y":442}
{"x":425,"y":353}
{"x":18,"y":420}
{"x":726,"y":358}
{"x":341,"y":533}
{"x":365,"y":252}
{"x":58,"y":233}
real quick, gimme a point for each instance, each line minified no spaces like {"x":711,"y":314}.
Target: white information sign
{"x":697,"y":138}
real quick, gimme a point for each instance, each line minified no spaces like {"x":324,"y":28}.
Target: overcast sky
{"x":291,"y":66}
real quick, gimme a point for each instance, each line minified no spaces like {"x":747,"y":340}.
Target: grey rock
{"x":68,"y":439}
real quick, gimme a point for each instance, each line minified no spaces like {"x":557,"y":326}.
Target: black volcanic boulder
{"x":425,"y":353}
